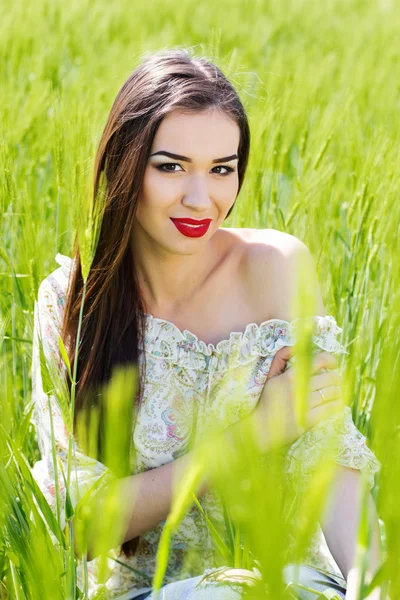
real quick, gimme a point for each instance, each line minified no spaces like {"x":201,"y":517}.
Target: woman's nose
{"x":197,"y":193}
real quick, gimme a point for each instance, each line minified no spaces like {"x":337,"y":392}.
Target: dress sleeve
{"x":336,"y":436}
{"x":85,"y":471}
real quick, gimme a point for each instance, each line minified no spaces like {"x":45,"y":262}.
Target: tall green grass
{"x":319,"y":82}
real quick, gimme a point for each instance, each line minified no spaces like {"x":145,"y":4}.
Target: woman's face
{"x":194,"y":184}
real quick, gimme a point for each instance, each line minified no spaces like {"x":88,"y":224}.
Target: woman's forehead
{"x":197,"y":134}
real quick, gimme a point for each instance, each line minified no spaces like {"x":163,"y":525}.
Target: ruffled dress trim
{"x":165,"y":340}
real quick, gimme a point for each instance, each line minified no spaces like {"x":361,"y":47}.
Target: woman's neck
{"x":169,"y":281}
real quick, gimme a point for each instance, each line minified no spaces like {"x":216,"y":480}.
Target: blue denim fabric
{"x":298,"y":574}
{"x":312,"y":578}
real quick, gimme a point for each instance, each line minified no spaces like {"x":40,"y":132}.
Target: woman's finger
{"x":329,"y":394}
{"x":324,"y":360}
{"x":321,"y":380}
{"x":279,"y":361}
{"x":323,"y":411}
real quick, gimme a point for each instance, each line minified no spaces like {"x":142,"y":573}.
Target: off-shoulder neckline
{"x":185,"y":335}
{"x":162,"y":333}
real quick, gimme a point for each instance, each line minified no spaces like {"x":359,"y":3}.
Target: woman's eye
{"x":228,"y":170}
{"x":161,"y":167}
{"x":164,"y":167}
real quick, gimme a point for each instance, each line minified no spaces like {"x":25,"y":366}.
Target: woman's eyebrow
{"x":186,"y":159}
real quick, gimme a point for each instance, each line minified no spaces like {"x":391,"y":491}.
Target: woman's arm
{"x":286,"y":265}
{"x":145,"y":499}
{"x":340,"y":527}
{"x":141,"y":501}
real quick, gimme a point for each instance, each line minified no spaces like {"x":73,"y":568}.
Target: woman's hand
{"x":276,"y":408}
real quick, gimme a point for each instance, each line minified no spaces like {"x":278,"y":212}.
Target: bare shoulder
{"x":273,"y":266}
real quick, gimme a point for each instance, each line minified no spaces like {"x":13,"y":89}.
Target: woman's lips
{"x":190,"y":230}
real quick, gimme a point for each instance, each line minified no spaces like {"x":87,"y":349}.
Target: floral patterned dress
{"x":183,"y":374}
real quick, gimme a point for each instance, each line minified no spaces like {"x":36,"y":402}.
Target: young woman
{"x":187,"y":301}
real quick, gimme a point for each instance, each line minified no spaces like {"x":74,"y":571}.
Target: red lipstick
{"x":192,"y":227}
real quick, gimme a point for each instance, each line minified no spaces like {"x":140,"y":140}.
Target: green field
{"x":320,"y":84}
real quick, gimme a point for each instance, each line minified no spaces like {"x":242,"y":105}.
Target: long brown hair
{"x":113,"y":318}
